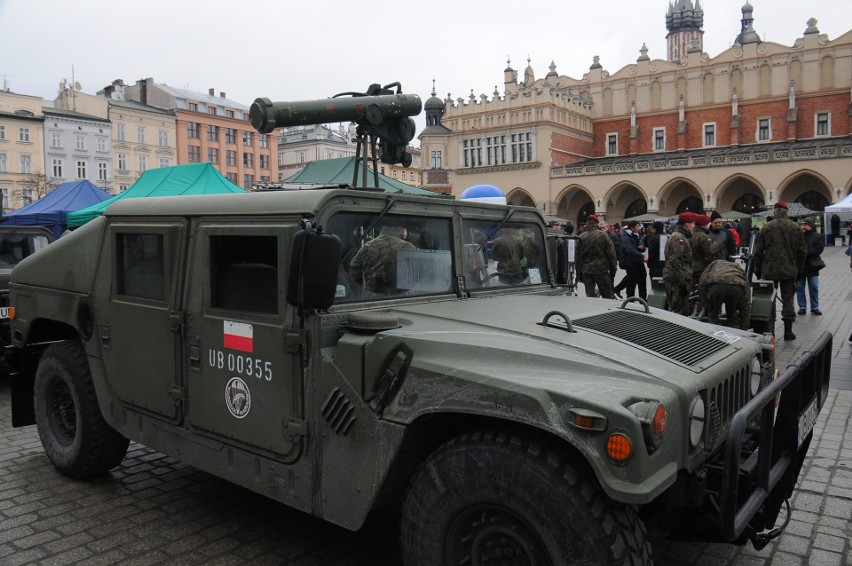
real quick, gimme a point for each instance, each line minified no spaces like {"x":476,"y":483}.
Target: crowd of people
{"x":698,"y":264}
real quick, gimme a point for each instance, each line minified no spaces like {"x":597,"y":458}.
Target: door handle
{"x":194,"y":357}
{"x":106,"y":342}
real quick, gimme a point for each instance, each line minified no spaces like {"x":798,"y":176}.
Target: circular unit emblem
{"x":238,"y":397}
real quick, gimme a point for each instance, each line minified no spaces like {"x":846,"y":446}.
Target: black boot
{"x":788,"y":330}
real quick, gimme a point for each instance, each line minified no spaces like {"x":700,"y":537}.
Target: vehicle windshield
{"x":513,"y":255}
{"x":15,"y":247}
{"x":399,"y":256}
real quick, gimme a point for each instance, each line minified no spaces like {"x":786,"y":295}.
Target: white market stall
{"x":843,"y":210}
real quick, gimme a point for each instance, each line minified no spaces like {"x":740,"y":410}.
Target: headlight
{"x":756,"y":376}
{"x":652,"y":416}
{"x":697,"y":417}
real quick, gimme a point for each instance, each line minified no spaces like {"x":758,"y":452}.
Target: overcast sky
{"x":298,"y":49}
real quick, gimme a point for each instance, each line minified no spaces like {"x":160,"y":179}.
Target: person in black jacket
{"x":810,"y":272}
{"x":633,"y":253}
{"x":655,"y":265}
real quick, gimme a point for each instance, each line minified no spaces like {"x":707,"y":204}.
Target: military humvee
{"x":253,"y":337}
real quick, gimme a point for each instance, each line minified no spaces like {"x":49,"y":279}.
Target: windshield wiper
{"x":493,"y":233}
{"x":391,"y":203}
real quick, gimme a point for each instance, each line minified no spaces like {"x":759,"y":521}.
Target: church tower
{"x":684,"y":21}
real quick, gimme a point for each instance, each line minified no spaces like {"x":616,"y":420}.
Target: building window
{"x":80,"y":142}
{"x":119,"y":131}
{"x":193,"y":107}
{"x":213,"y":133}
{"x":122,"y":188}
{"x":57,"y":167}
{"x":230,"y":135}
{"x":472,"y":152}
{"x":393,"y":173}
{"x":140,"y":134}
{"x":193,"y":154}
{"x":247,"y":160}
{"x":4,"y":163}
{"x":101,"y":144}
{"x":709,"y":135}
{"x":264,"y":178}
{"x":264,"y":141}
{"x":213,"y":155}
{"x":232,"y":177}
{"x":248,"y":181}
{"x":437,"y":159}
{"x":81,"y":169}
{"x":522,"y":147}
{"x":764,"y":132}
{"x":55,"y":139}
{"x":211,"y":110}
{"x":247,"y":139}
{"x":3,"y":138}
{"x":24,"y":135}
{"x":26,"y":196}
{"x":612,"y":144}
{"x":823,"y":124}
{"x":4,"y":195}
{"x":122,"y":162}
{"x":229,"y":113}
{"x":26,"y":164}
{"x":192,"y":130}
{"x":165,"y":162}
{"x":143,"y":163}
{"x":404,"y":176}
{"x":264,"y":162}
{"x":230,"y":158}
{"x":102,"y":171}
{"x":163,"y":138}
{"x":659,"y":139}
{"x":495,"y":150}
{"x":301,"y":157}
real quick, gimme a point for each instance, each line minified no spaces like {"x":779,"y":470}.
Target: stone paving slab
{"x":154,"y":510}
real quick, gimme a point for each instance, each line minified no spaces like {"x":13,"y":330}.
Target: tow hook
{"x":760,"y":540}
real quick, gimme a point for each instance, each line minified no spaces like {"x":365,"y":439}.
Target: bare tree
{"x":39,"y":183}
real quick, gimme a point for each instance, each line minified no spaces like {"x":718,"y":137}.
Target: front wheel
{"x":494,"y":498}
{"x":76,"y":438}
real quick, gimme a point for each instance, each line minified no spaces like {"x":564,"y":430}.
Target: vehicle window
{"x":141,"y":266}
{"x":244,"y":273}
{"x":15,"y":247}
{"x":399,"y":256}
{"x":513,"y":255}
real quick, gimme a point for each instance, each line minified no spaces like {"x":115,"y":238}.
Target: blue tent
{"x":51,"y":210}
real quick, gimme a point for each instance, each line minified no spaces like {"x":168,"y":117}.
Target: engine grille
{"x":339,"y":412}
{"x":673,"y":341}
{"x":732,"y":394}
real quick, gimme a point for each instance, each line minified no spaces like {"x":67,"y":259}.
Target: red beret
{"x":687,"y":217}
{"x":593,"y":218}
{"x":781,"y":204}
{"x":702,"y":219}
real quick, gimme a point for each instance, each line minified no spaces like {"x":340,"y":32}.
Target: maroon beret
{"x":593,"y":218}
{"x":702,"y":219}
{"x":687,"y":217}
{"x":781,"y":204}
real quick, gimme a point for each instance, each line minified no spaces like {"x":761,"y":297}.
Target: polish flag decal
{"x":239,"y":336}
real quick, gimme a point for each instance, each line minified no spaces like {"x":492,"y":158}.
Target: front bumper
{"x":763,"y":451}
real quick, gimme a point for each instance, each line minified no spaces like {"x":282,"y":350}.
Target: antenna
{"x":5,"y":82}
{"x":75,"y":86}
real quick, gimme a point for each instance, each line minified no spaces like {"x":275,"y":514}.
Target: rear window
{"x":15,"y":247}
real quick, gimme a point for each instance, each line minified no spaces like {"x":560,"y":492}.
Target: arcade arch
{"x":575,"y":204}
{"x":807,"y":188}
{"x":680,"y":195}
{"x":742,"y":194}
{"x":520,"y":197}
{"x":625,"y":200}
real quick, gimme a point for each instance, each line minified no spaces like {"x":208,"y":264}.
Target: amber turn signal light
{"x":619,"y":447}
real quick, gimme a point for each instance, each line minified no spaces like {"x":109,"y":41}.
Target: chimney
{"x":211,"y":91}
{"x":222,"y":94}
{"x":143,"y":91}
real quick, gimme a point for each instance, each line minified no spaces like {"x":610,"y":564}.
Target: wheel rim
{"x":490,"y":535}
{"x":62,"y":413}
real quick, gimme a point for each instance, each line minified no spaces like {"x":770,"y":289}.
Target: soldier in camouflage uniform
{"x":374,"y":266}
{"x":515,"y":253}
{"x":677,"y":273}
{"x":779,"y":255}
{"x":702,"y":253}
{"x":725,"y":282}
{"x":597,"y":263}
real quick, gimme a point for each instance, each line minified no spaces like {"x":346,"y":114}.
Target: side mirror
{"x":314,"y":262}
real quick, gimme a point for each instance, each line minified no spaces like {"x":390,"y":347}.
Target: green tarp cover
{"x":340,"y":171}
{"x":191,"y":179}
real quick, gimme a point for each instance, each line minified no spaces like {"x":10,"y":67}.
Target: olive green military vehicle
{"x":225,"y":332}
{"x":340,"y":350}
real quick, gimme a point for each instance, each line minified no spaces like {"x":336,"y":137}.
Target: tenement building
{"x":757,"y":123}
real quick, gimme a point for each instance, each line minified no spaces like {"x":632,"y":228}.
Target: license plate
{"x":807,"y":420}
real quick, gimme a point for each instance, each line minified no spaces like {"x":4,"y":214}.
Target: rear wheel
{"x":75,"y":436}
{"x":493,"y":498}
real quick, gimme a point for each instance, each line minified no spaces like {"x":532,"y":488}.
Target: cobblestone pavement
{"x":155,"y":510}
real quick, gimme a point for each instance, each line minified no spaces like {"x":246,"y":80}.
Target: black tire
{"x":75,"y":436}
{"x":494,"y":498}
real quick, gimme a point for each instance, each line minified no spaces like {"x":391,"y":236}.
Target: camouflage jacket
{"x":515,"y":253}
{"x":722,"y":272}
{"x":702,"y":250}
{"x":374,"y":266}
{"x":597,"y":253}
{"x":779,"y":252}
{"x":678,"y":257}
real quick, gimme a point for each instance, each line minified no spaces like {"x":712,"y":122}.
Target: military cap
{"x":702,"y":219}
{"x":687,"y":217}
{"x":782,"y":204}
{"x":593,"y":218}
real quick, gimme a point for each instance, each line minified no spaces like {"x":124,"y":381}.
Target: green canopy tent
{"x":191,"y":179}
{"x":341,"y":170}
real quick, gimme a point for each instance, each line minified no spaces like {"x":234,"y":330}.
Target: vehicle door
{"x":243,"y":385}
{"x":138,"y":313}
